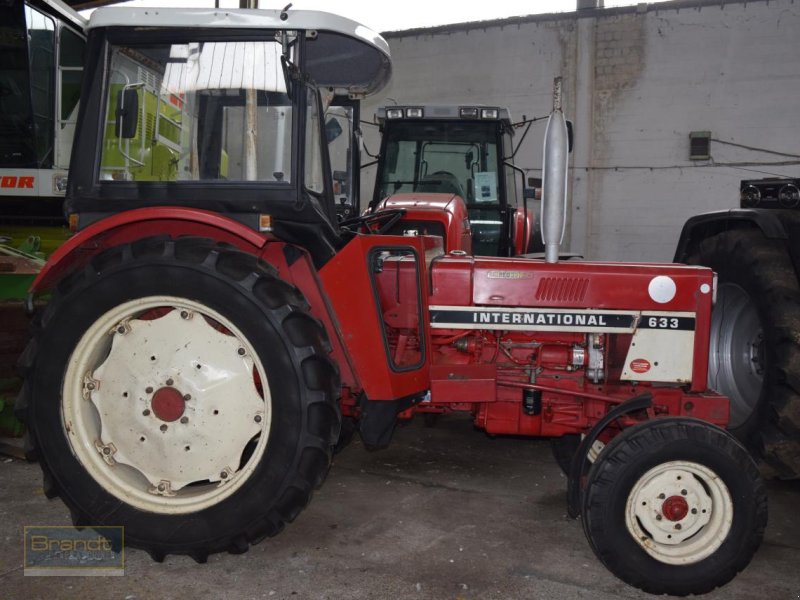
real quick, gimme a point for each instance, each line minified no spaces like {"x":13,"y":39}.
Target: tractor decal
{"x":10,"y":181}
{"x":522,"y":319}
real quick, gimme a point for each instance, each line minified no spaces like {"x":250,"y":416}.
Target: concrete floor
{"x":444,"y":513}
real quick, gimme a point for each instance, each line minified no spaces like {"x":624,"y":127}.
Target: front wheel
{"x":181,"y":390}
{"x":674,"y":506}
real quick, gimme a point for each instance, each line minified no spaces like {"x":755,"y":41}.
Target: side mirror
{"x":332,"y":130}
{"x":127,"y":116}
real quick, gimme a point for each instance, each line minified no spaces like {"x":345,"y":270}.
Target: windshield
{"x":441,"y":157}
{"x":200,"y":111}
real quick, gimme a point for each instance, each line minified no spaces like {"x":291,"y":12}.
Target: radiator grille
{"x":562,"y":289}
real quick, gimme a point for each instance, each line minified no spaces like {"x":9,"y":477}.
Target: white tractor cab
{"x":42,"y":46}
{"x":227,"y":110}
{"x":462,"y":151}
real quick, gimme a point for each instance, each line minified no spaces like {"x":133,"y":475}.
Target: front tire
{"x":674,"y":506}
{"x":182,"y":390}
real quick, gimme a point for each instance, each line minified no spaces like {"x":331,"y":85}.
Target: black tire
{"x":346,"y":434}
{"x":285,"y":340}
{"x":634,"y":457}
{"x":755,"y":353}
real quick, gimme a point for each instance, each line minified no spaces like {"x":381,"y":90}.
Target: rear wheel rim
{"x":679,"y":512}
{"x":736,"y":352}
{"x":166,"y":404}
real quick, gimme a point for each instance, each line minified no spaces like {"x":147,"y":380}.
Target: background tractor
{"x":212,"y":322}
{"x":755,"y":347}
{"x":431,"y":155}
{"x":42,"y":47}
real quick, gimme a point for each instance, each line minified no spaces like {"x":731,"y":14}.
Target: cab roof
{"x":342,"y":54}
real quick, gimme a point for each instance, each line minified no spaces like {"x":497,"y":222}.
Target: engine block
{"x":540,"y":349}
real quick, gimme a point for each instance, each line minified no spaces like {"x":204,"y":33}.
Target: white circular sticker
{"x":705,"y":288}
{"x":662,"y":289}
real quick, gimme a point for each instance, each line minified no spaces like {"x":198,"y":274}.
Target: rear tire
{"x":755,"y":343}
{"x":674,"y":506}
{"x":199,"y":355}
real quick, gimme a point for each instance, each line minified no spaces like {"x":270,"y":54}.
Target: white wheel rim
{"x":160,"y":411}
{"x":679,"y":512}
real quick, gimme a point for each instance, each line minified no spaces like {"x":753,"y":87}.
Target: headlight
{"x":750,"y":196}
{"x":789,"y":196}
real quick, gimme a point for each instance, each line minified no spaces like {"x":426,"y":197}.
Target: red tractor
{"x":211,"y":322}
{"x":449,"y":167}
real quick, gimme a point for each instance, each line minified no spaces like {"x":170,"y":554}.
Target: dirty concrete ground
{"x":444,"y":513}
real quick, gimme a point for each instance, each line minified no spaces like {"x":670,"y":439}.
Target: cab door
{"x":377,"y":285}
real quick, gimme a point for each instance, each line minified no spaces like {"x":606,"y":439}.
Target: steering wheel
{"x":441,"y":182}
{"x":376,"y":223}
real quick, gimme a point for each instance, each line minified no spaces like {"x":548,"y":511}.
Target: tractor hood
{"x":340,"y":53}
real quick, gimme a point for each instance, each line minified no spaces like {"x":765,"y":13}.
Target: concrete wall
{"x":637,"y":80}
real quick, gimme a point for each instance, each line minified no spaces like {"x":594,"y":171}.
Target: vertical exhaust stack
{"x":554,"y":175}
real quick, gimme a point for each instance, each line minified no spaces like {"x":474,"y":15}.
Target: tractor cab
{"x":445,"y":155}
{"x":221,"y":111}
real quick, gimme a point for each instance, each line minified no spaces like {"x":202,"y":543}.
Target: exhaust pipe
{"x":554,"y":179}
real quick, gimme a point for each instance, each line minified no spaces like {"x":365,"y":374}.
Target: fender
{"x":578,"y":466}
{"x":774,"y":224}
{"x":135,"y":224}
{"x":128,"y":226}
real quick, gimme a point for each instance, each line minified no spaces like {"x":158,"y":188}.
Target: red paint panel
{"x":447,"y":209}
{"x":509,"y":282}
{"x":302,"y":274}
{"x":521,"y":228}
{"x":514,"y":282}
{"x":348,"y":284}
{"x":463,"y":383}
{"x":610,"y":285}
{"x":451,"y":279}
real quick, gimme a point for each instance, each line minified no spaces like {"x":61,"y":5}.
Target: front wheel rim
{"x":165,"y":403}
{"x":679,"y":512}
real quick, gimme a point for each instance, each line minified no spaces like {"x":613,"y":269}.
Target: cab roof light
{"x":489,"y":113}
{"x":468,"y":112}
{"x":394,"y":113}
{"x":414,"y":113}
